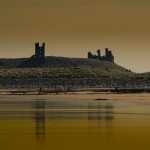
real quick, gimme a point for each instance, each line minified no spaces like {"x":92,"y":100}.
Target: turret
{"x":40,"y":53}
{"x":106,"y":51}
{"x":99,"y":53}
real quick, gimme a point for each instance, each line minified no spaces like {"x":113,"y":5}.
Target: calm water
{"x":75,"y":122}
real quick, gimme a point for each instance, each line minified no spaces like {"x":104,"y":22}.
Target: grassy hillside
{"x":69,"y":72}
{"x":11,"y":63}
{"x":63,"y":72}
{"x":62,"y":62}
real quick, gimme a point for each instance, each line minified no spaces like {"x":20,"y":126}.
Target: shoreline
{"x":75,"y":91}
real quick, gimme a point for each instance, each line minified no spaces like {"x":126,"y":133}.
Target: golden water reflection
{"x":74,"y":122}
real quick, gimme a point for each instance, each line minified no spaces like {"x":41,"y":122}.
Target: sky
{"x":71,"y":28}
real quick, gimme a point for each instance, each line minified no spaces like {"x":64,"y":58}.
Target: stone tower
{"x":107,"y":57}
{"x":40,"y":53}
{"x":99,"y":53}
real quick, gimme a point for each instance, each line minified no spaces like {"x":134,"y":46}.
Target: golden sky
{"x":73,"y":27}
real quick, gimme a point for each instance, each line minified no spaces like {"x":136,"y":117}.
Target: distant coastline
{"x":53,"y":74}
{"x":104,"y":75}
{"x":77,"y":91}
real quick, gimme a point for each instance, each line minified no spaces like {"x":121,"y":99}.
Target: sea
{"x":76,"y":121}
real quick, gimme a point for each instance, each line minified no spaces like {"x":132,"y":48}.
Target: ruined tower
{"x":106,"y":51}
{"x":108,"y":55}
{"x":99,"y":53}
{"x":38,"y":59}
{"x":90,"y":55}
{"x":40,"y":53}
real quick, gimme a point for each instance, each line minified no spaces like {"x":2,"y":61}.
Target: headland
{"x":62,"y":74}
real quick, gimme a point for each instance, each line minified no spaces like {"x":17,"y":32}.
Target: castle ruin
{"x":108,"y":55}
{"x":39,"y":53}
{"x":37,"y":59}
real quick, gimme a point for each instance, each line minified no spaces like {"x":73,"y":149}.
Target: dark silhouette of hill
{"x":39,"y":71}
{"x":68,"y":72}
{"x":55,"y":62}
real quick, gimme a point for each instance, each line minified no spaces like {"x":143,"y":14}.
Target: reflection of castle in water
{"x":100,"y":112}
{"x":103,"y":115}
{"x":40,"y":118}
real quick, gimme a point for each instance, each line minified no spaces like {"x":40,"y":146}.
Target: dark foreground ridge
{"x":71,"y":78}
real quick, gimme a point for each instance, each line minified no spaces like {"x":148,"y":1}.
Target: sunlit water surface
{"x":75,"y":122}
